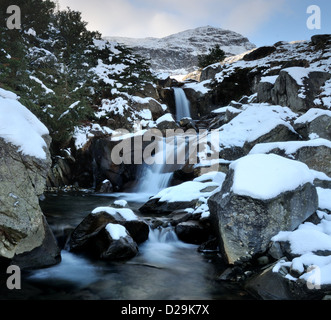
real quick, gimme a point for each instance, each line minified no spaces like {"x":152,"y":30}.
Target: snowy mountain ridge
{"x":177,"y":53}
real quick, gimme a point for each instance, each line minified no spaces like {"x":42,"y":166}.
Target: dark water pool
{"x":165,"y":268}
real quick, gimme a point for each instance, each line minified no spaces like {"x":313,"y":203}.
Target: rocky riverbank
{"x":258,"y":193}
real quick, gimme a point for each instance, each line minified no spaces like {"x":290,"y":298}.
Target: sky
{"x":263,"y":22}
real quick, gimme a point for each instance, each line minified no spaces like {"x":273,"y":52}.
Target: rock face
{"x":297,"y":88}
{"x":23,"y":229}
{"x":246,"y":223}
{"x":259,"y":53}
{"x":179,"y":51}
{"x":290,"y":74}
{"x":315,"y":122}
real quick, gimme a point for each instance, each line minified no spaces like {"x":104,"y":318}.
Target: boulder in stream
{"x":261,"y":195}
{"x":93,"y":234}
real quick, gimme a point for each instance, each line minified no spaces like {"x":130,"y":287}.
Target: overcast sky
{"x":264,"y":22}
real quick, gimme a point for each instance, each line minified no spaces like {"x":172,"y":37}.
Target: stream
{"x":164,"y":269}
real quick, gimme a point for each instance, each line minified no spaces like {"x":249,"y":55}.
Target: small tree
{"x":215,"y":55}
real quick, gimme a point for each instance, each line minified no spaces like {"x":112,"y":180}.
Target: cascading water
{"x":154,"y":178}
{"x":157,"y":176}
{"x":183,"y":109}
{"x":162,"y":245}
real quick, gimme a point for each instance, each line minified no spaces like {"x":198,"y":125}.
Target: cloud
{"x":248,"y":16}
{"x":126,"y":18}
{"x":146,"y":18}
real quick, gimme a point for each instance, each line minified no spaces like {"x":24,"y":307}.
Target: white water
{"x":162,"y":249}
{"x":153,"y":178}
{"x":162,"y":246}
{"x":183,"y":109}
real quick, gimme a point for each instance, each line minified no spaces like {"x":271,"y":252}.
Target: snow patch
{"x":255,"y":121}
{"x":289,"y":147}
{"x":116,"y":231}
{"x":21,"y":127}
{"x":125,"y":213}
{"x":264,"y":177}
{"x":185,"y":192}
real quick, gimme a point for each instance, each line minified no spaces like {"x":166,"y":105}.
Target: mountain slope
{"x":178,"y":53}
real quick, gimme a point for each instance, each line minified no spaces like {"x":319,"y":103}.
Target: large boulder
{"x":261,"y":195}
{"x":24,"y":165}
{"x":298,"y":87}
{"x":316,"y":154}
{"x":245,"y":130}
{"x":314,"y":123}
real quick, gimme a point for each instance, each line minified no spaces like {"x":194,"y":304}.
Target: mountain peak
{"x":178,"y":53}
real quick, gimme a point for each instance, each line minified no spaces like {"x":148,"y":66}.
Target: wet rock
{"x":156,"y":206}
{"x":192,"y":232}
{"x":93,"y":237}
{"x":105,"y":187}
{"x":269,"y":285}
{"x":87,"y":231}
{"x":109,"y":247}
{"x":209,"y":246}
{"x":179,"y":216}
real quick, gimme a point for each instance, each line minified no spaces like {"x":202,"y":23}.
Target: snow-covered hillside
{"x":177,"y":53}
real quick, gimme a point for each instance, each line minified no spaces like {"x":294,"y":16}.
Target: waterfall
{"x":162,"y":246}
{"x":182,"y":104}
{"x":154,"y":178}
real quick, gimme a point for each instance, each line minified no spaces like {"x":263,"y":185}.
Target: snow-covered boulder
{"x":166,"y":121}
{"x":257,"y":123}
{"x":185,"y":195}
{"x":24,"y":164}
{"x":316,"y":154}
{"x":93,"y":233}
{"x":297,"y":87}
{"x":114,"y":242}
{"x":314,"y":123}
{"x":261,"y":195}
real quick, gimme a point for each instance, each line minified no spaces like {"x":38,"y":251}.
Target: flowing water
{"x":154,"y":178}
{"x":183,"y":109}
{"x":164,"y":269}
